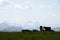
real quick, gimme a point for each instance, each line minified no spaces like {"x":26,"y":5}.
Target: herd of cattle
{"x":42,"y":28}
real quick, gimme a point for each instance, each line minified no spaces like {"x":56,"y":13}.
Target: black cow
{"x":26,"y":31}
{"x":35,"y":30}
{"x":40,"y":28}
{"x":47,"y":28}
{"x":43,"y":28}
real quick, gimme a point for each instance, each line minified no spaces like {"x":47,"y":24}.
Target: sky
{"x":45,"y":12}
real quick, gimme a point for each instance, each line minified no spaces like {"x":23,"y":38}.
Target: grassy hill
{"x":29,"y":35}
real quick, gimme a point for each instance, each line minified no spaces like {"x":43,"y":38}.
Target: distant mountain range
{"x":12,"y":28}
{"x":3,"y":26}
{"x":9,"y":28}
{"x":57,"y":29}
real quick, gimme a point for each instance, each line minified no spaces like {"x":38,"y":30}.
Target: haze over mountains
{"x":16,"y":28}
{"x":12,"y":29}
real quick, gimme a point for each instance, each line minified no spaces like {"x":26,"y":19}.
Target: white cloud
{"x":14,"y":19}
{"x":18,"y":6}
{"x":48,"y":5}
{"x":26,"y":4}
{"x":11,"y":4}
{"x":55,"y":15}
{"x":44,"y":6}
{"x":3,"y":2}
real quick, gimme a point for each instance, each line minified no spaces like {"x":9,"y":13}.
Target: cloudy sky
{"x":46,"y":12}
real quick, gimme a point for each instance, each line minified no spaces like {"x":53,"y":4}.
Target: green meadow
{"x":29,"y":35}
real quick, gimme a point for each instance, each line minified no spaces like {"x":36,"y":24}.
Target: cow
{"x":26,"y":31}
{"x":43,"y":28}
{"x":40,"y":28}
{"x":47,"y":28}
{"x":35,"y":30}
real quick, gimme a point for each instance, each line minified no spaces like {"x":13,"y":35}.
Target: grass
{"x":29,"y":35}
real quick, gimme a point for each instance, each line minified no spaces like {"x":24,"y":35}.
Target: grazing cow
{"x":35,"y":30}
{"x":43,"y":28}
{"x":40,"y":28}
{"x":26,"y":30}
{"x":47,"y":28}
